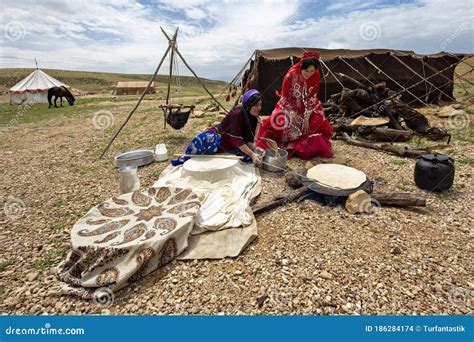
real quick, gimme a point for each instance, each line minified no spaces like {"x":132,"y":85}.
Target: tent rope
{"x":424,"y":78}
{"x":405,"y":89}
{"x":401,"y":91}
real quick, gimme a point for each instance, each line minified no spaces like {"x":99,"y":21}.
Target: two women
{"x":297,"y":124}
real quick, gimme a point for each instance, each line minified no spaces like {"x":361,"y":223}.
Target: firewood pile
{"x":377,"y":114}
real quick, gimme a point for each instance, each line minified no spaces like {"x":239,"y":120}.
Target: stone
{"x":396,"y":250}
{"x":358,"y":202}
{"x":198,"y":114}
{"x":32,"y":276}
{"x":325,"y":275}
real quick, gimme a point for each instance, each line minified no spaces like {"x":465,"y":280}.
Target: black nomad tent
{"x":428,"y":79}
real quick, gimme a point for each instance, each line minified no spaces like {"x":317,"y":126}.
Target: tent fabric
{"x":269,"y":67}
{"x":38,"y":80}
{"x":34,"y":88}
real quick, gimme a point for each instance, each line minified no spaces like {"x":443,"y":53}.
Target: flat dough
{"x":336,"y":176}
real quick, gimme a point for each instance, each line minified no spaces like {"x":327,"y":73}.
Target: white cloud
{"x":218,"y":37}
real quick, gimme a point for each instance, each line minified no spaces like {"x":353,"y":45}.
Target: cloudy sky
{"x":217,"y":37}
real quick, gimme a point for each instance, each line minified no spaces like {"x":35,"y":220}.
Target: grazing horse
{"x":60,"y":92}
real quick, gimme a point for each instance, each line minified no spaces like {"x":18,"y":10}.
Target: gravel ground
{"x":308,"y":259}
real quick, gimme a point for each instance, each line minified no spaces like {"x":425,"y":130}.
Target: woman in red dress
{"x":298,"y":123}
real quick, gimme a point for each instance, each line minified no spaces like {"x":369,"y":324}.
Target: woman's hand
{"x":256,"y":158}
{"x":260,"y":151}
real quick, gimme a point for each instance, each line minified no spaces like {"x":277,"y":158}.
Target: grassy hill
{"x":96,"y":82}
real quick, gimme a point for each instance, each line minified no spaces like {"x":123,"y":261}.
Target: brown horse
{"x":60,"y":92}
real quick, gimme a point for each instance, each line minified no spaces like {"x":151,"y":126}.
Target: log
{"x":388,"y":134}
{"x":375,"y":133}
{"x":293,"y":196}
{"x":401,"y":199}
{"x":404,"y":152}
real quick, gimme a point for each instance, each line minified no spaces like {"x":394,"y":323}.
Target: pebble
{"x":326,"y":275}
{"x":32,"y":276}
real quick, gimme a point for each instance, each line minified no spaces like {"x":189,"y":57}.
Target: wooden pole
{"x":138,"y":103}
{"x":200,"y":81}
{"x":195,"y":75}
{"x":172,"y":43}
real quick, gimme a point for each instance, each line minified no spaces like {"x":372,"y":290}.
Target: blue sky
{"x":217,"y":37}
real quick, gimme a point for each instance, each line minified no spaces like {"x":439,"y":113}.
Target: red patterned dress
{"x":298,"y":101}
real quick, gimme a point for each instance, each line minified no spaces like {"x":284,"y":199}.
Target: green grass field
{"x":96,"y":82}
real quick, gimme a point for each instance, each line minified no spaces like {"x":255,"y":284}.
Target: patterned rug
{"x":127,"y":237}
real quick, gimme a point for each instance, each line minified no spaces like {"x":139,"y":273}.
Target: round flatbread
{"x":336,"y":176}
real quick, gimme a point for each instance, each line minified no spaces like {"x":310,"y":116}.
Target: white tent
{"x":33,"y":88}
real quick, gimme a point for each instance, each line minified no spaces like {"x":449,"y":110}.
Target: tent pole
{"x":401,"y":91}
{"x":322,"y":62}
{"x":236,"y":76}
{"x":138,"y":103}
{"x":413,"y":71}
{"x":200,"y":81}
{"x":404,"y":89}
{"x":195,"y":75}
{"x":172,"y":44}
{"x":350,"y":66}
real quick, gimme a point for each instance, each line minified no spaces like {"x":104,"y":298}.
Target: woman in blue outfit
{"x":235,"y":134}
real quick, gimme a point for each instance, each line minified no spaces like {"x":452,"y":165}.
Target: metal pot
{"x":275,"y":164}
{"x":434,"y":172}
{"x":134,"y":159}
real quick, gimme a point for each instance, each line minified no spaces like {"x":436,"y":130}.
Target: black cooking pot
{"x":434,"y":172}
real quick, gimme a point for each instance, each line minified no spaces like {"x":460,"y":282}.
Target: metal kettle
{"x":434,"y":172}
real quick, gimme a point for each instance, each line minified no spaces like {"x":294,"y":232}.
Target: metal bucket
{"x":134,"y":159}
{"x":275,"y":164}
